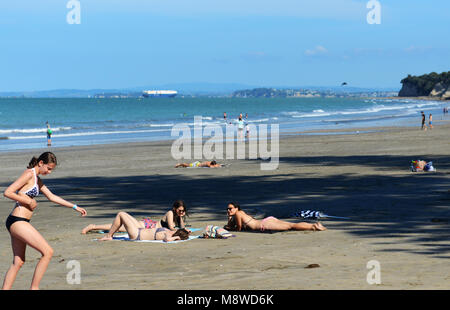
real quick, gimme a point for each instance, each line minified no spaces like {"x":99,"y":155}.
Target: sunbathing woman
{"x":136,"y":232}
{"x":198,"y":164}
{"x":239,"y":220}
{"x":173,"y":219}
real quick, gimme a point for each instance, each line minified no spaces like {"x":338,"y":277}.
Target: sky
{"x":267,"y":43}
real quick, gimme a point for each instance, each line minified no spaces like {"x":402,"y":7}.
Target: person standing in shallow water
{"x":23,"y":191}
{"x":49,"y":135}
{"x":424,"y":126}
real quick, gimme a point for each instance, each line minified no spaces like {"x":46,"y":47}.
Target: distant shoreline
{"x":425,"y":98}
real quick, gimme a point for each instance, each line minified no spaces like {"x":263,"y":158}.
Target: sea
{"x":93,"y":121}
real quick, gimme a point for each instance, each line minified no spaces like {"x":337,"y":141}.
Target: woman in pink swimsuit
{"x":136,"y":232}
{"x":173,"y":220}
{"x":239,"y":220}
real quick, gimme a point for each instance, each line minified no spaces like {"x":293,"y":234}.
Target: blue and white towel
{"x":127,"y":238}
{"x":312,"y":215}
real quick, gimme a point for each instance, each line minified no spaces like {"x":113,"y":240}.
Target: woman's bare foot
{"x":318,"y":227}
{"x":87,"y":229}
{"x":105,"y":238}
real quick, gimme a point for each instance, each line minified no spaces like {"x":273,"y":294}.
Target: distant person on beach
{"x":49,"y":135}
{"x":247,"y":127}
{"x":137,"y":232}
{"x":172,"y":220}
{"x":422,"y":165}
{"x":225,"y":116}
{"x":238,"y":220}
{"x":23,"y":191}
{"x":198,"y":164}
{"x":430,"y":121}
{"x":240,"y":126}
{"x":424,"y":126}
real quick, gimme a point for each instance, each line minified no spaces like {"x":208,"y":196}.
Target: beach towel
{"x":126,"y":237}
{"x":309,"y":214}
{"x":120,"y":232}
{"x":221,"y":166}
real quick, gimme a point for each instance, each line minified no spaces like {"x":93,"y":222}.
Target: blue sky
{"x":133,"y":43}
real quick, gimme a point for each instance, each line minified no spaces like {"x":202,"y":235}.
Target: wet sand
{"x":397,"y":218}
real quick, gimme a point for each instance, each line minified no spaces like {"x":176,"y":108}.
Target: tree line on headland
{"x":427,"y":85}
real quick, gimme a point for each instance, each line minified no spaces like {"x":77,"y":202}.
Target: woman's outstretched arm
{"x":58,"y":200}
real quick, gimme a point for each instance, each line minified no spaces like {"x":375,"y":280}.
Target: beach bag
{"x":216,"y":232}
{"x":429,"y":166}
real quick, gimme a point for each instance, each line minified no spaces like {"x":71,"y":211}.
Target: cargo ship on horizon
{"x":159,"y":93}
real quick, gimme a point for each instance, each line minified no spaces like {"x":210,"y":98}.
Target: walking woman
{"x":23,"y":191}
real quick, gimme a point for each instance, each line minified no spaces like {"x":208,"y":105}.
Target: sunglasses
{"x":229,"y":209}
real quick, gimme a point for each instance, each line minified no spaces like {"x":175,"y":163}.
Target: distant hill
{"x":189,"y":89}
{"x":59,"y":93}
{"x":313,"y":92}
{"x":427,"y":85}
{"x":186,"y":89}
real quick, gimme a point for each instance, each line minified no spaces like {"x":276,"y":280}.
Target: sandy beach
{"x":397,"y":218}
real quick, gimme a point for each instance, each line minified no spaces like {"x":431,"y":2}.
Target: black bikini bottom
{"x":12,"y":219}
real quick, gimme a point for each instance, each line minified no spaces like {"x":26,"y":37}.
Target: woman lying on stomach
{"x":239,"y":220}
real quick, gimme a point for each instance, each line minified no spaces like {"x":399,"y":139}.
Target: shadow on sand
{"x":413,"y":206}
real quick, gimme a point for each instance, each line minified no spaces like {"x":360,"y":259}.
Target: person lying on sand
{"x":172,"y":220}
{"x":421,"y":165}
{"x":239,"y":220}
{"x":136,"y":232}
{"x":197,"y":164}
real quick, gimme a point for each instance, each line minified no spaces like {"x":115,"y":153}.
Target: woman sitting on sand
{"x":239,"y":220}
{"x":136,"y":232}
{"x":198,"y":164}
{"x":172,"y":220}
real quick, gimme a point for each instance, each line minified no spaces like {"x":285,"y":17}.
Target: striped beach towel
{"x":313,"y":215}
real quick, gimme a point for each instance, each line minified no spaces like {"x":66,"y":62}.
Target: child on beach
{"x":172,"y":220}
{"x":49,"y":135}
{"x":239,"y":220}
{"x":23,"y":191}
{"x":424,"y":126}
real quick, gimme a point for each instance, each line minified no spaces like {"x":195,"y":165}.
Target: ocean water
{"x":79,"y":121}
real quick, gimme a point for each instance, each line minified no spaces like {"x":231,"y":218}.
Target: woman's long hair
{"x":182,"y":233}
{"x":46,"y":157}
{"x":178,"y":203}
